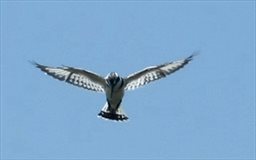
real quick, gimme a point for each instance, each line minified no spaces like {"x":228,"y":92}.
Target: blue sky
{"x":204,"y":111}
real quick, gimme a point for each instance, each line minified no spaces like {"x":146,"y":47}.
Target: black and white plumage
{"x":113,"y":85}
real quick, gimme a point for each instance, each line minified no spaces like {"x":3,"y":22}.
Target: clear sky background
{"x":204,"y":111}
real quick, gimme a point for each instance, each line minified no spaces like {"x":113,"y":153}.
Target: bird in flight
{"x":113,"y":85}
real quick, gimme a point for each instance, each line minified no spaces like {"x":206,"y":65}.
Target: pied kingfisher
{"x":113,"y":85}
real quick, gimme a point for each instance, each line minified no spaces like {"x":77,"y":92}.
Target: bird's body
{"x":112,"y":85}
{"x":114,"y":91}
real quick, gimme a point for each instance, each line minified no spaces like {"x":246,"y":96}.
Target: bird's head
{"x":113,"y":75}
{"x":112,"y":78}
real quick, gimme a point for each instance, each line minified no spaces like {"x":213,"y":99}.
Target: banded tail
{"x":117,"y":115}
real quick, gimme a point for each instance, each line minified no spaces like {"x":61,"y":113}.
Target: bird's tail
{"x":117,"y":115}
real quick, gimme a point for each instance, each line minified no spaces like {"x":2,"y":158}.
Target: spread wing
{"x":77,"y":77}
{"x":153,"y":73}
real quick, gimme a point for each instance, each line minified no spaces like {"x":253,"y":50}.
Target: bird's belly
{"x":114,"y":97}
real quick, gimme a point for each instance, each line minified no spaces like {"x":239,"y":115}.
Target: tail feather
{"x":117,"y":115}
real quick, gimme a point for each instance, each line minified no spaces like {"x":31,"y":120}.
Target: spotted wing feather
{"x":153,"y":73}
{"x":78,"y":77}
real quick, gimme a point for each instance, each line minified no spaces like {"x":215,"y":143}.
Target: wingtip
{"x":33,"y":63}
{"x":196,"y":53}
{"x":37,"y":65}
